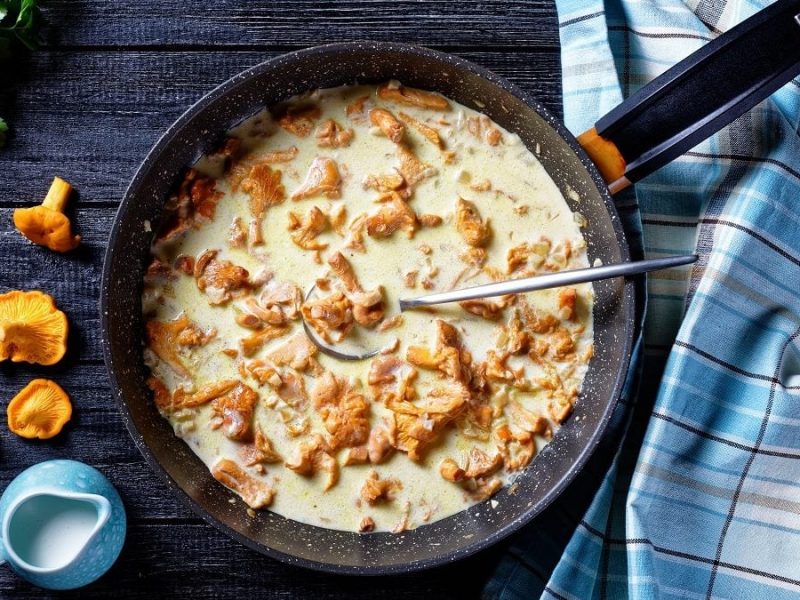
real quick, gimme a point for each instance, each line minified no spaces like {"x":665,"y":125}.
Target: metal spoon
{"x":513,"y":286}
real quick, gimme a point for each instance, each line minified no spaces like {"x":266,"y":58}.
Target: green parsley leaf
{"x":18,"y":22}
{"x":17,"y":28}
{"x":3,"y":130}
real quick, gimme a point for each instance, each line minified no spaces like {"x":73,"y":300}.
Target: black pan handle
{"x":698,"y":96}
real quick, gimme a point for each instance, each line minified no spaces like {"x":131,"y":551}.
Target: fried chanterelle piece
{"x":254,"y":491}
{"x":315,"y":456}
{"x":377,"y":490}
{"x":323,"y":179}
{"x":470,"y":225}
{"x":367,"y":306}
{"x":343,"y":410}
{"x":264,"y":187}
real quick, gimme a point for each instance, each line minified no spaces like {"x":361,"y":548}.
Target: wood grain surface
{"x":510,"y":24}
{"x":110,"y":77}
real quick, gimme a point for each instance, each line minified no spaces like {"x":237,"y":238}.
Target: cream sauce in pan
{"x":477,"y":161}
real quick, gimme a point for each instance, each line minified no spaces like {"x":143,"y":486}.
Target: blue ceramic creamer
{"x":62,"y":524}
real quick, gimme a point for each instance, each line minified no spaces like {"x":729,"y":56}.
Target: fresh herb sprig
{"x":17,"y":25}
{"x":17,"y":28}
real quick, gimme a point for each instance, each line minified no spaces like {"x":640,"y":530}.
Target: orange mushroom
{"x":32,"y":329}
{"x":46,"y":224}
{"x":39,"y":410}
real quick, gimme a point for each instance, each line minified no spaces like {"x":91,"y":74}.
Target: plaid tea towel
{"x":702,"y":498}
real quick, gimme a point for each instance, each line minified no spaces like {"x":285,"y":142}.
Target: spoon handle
{"x":550,"y":280}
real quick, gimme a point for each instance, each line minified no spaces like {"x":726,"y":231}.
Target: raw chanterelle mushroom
{"x":32,"y":329}
{"x":40,"y":410}
{"x":46,"y":224}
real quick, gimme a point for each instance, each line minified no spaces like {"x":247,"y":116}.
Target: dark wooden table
{"x":110,"y":77}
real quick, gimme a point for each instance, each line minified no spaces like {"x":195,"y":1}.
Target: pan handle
{"x":697,"y":97}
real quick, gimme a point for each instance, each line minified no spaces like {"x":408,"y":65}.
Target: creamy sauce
{"x":49,"y":532}
{"x":522,"y":204}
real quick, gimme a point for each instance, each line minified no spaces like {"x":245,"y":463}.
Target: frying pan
{"x":664,"y":119}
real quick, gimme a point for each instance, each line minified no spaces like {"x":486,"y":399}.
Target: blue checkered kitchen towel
{"x":702,"y":499}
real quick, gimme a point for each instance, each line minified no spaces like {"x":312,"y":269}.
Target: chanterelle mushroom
{"x":40,"y":410}
{"x":46,"y":224}
{"x":32,"y":329}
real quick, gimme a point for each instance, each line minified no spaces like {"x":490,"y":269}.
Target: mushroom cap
{"x":32,"y":329}
{"x":39,"y":410}
{"x":46,"y":227}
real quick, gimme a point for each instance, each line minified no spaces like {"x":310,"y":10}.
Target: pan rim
{"x":630,"y":301}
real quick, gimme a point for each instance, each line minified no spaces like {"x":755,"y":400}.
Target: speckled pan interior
{"x":199,"y":130}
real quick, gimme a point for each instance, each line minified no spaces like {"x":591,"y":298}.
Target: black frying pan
{"x":628,"y":146}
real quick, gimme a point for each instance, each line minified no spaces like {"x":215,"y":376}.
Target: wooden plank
{"x":180,"y":560}
{"x":513,"y":24}
{"x":91,"y":117}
